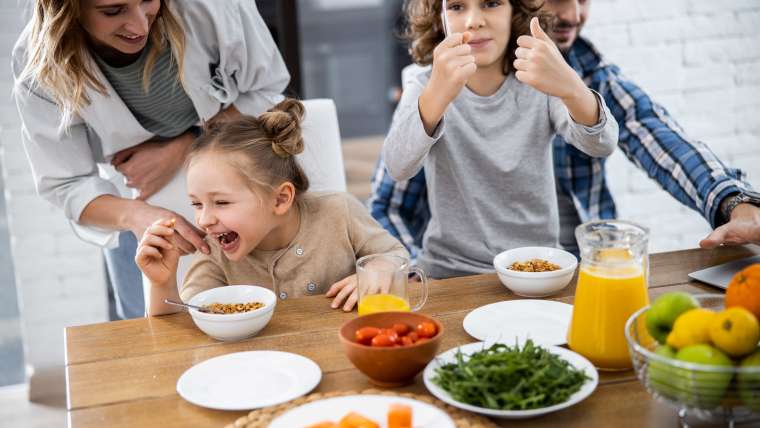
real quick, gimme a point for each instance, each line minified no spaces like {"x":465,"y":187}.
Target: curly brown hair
{"x":424,"y":29}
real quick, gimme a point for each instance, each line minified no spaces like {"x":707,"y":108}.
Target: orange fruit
{"x":744,"y":290}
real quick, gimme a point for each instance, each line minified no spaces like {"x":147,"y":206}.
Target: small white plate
{"x":571,"y":357}
{"x":374,"y":407}
{"x":248,"y":380}
{"x":544,"y":321}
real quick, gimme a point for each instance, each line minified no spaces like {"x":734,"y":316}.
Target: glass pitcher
{"x":612,"y":285}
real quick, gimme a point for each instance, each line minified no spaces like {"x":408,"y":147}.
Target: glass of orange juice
{"x":612,"y":285}
{"x":383,"y":283}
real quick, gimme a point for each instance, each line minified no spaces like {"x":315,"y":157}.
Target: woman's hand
{"x":187,"y":238}
{"x":156,"y":256}
{"x":453,"y":65}
{"x":540,"y":64}
{"x":149,"y":166}
{"x":345,"y":293}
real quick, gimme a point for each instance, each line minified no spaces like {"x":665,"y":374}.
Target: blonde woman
{"x":111,"y":93}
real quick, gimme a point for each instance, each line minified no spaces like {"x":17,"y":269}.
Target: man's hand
{"x":345,"y":293}
{"x":148,"y":167}
{"x":743,"y":228}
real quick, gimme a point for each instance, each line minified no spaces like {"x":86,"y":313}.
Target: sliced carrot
{"x":400,"y":416}
{"x":325,"y":424}
{"x":355,"y":420}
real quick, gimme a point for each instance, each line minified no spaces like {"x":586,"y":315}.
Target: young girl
{"x":249,"y":195}
{"x":481,"y":121}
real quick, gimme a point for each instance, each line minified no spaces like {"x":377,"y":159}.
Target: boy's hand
{"x":540,"y":64}
{"x":156,"y":256}
{"x":453,"y":65}
{"x":345,"y":293}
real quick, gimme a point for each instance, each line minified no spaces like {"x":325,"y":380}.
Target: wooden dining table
{"x":124,"y":373}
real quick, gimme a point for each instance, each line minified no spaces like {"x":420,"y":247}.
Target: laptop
{"x":721,"y":275}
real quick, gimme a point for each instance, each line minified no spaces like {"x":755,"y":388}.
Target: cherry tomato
{"x":391,"y":333}
{"x":365,"y":334}
{"x":406,"y":341}
{"x":414,"y":336}
{"x":401,"y":329}
{"x":382,"y":340}
{"x":426,"y":329}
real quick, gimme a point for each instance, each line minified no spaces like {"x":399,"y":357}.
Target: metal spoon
{"x":188,"y":306}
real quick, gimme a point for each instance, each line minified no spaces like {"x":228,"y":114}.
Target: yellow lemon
{"x":735,"y":331}
{"x":691,"y":328}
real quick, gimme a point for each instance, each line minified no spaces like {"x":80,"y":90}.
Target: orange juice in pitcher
{"x":612,"y":285}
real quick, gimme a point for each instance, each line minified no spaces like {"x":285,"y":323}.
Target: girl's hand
{"x":345,"y":293}
{"x":187,"y":238}
{"x":148,"y":167}
{"x":453,"y":65}
{"x":156,"y":256}
{"x":540,"y":64}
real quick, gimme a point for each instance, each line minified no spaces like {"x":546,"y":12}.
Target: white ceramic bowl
{"x":535,"y":284}
{"x":233,"y":326}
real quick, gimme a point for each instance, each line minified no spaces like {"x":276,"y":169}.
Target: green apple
{"x":703,"y":388}
{"x":749,"y":383}
{"x":664,"y":311}
{"x":661,"y":375}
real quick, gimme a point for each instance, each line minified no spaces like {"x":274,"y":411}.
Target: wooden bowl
{"x":392,"y":366}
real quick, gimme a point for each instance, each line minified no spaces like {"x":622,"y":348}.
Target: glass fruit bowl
{"x":712,"y":393}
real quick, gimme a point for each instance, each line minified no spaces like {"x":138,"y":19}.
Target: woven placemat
{"x":261,"y":418}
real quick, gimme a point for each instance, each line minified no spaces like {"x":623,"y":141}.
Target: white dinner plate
{"x":248,"y":380}
{"x":511,"y":321}
{"x":374,"y":407}
{"x":571,"y":357}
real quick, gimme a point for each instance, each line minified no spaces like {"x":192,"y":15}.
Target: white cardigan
{"x":230,"y":58}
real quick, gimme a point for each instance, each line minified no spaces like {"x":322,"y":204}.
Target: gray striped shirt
{"x":165,"y":110}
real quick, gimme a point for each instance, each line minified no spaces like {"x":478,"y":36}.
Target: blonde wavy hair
{"x":424,"y":29}
{"x":58,"y":57}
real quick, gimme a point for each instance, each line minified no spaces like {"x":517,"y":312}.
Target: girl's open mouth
{"x":229,"y":241}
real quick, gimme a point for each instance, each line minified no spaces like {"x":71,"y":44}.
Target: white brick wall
{"x":701,"y":60}
{"x":59,"y":278}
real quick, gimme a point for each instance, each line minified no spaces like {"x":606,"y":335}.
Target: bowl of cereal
{"x":234,"y":311}
{"x":535,"y":271}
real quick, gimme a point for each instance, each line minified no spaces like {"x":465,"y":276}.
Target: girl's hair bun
{"x":282,"y":123}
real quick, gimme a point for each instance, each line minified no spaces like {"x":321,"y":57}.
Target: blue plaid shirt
{"x":649,"y":137}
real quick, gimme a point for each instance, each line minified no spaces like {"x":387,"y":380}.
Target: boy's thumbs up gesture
{"x":540,"y":64}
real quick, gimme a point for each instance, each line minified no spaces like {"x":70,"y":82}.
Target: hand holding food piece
{"x":156,"y":256}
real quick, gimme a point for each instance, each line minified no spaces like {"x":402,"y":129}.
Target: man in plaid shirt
{"x":649,"y":137}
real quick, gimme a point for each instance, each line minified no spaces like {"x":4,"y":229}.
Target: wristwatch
{"x":743,"y":197}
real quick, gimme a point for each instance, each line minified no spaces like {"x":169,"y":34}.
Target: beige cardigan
{"x":335,"y":231}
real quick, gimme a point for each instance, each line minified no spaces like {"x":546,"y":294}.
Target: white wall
{"x":59,"y":279}
{"x":701,"y":60}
